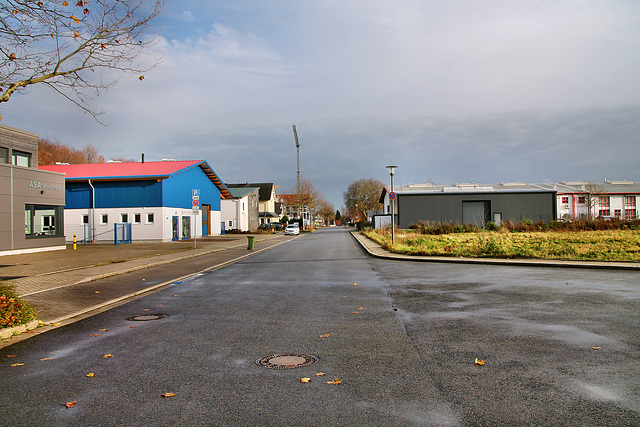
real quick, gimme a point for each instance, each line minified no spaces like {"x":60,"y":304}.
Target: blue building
{"x":156,"y":198}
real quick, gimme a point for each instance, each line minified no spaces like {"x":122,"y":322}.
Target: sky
{"x":453,"y":91}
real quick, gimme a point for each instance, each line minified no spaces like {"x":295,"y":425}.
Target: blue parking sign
{"x":195,"y":192}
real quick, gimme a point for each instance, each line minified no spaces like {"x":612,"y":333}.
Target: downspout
{"x":93,"y":212}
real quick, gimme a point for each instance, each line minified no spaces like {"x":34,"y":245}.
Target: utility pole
{"x":295,"y":136}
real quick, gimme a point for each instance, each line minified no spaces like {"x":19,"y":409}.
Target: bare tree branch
{"x":68,"y":45}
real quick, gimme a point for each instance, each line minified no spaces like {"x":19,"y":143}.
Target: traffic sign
{"x":195,"y":193}
{"x":195,"y":203}
{"x":392,"y":195}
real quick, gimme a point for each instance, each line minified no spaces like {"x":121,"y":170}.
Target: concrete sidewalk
{"x":374,"y":249}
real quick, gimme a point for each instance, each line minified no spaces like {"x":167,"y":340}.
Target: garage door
{"x":476,"y":212}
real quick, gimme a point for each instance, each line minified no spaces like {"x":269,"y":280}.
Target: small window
{"x":230,"y":223}
{"x":581,"y":200}
{"x":124,"y":217}
{"x":136,"y":218}
{"x":20,"y":158}
{"x":565,"y":200}
{"x":4,"y":155}
{"x":149,"y":218}
{"x":104,"y":219}
{"x":85,"y":219}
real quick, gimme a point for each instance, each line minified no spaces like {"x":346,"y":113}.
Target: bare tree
{"x":593,"y":195}
{"x":325,"y":210}
{"x":363,"y":195}
{"x":68,"y":46}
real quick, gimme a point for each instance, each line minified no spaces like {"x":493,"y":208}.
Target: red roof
{"x":134,"y":170}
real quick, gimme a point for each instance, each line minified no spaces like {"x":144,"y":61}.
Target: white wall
{"x":236,"y":211}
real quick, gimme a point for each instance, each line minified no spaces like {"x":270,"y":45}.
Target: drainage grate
{"x":287,"y":361}
{"x":145,"y":317}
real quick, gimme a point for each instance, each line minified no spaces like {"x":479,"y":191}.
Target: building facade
{"x":157,"y":199}
{"x":241,"y":211}
{"x":31,"y":200}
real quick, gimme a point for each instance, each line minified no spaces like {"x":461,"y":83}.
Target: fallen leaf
{"x":335,"y":381}
{"x":107,"y":356}
{"x":324,"y":336}
{"x":17,"y":364}
{"x":175,"y":295}
{"x":305,"y":380}
{"x":90,"y":375}
{"x":168,"y":395}
{"x":94,"y":335}
{"x":96,"y":292}
{"x":597,"y":348}
{"x":65,"y":3}
{"x":479,"y":362}
{"x":11,"y":355}
{"x":76,"y":20}
{"x":360,"y":308}
{"x":144,"y":280}
{"x":132,"y":327}
{"x":320,"y":374}
{"x":355,"y":312}
{"x":147,"y":309}
{"x":12,"y":56}
{"x":75,"y":35}
{"x":70,"y":404}
{"x":141,"y":78}
{"x":355,"y":284}
{"x":103,"y":330}
{"x":46,"y":358}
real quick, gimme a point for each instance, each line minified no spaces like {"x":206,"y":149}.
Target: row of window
{"x":628,"y":213}
{"x":18,"y":158}
{"x":604,"y":201}
{"x":124,"y":217}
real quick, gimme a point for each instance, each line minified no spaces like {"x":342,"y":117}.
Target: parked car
{"x":291,"y":229}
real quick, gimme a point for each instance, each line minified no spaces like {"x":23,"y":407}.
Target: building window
{"x":565,"y":200}
{"x":40,"y":221}
{"x":629,"y":202}
{"x":617,"y":213}
{"x":20,"y":158}
{"x":604,"y":201}
{"x":581,"y":200}
{"x":149,"y":218}
{"x":85,"y":219}
{"x":124,"y":217}
{"x":230,"y":223}
{"x":136,"y":218}
{"x":604,"y":212}
{"x":242,"y":206}
{"x":4,"y":155}
{"x":104,"y":219}
{"x":629,"y":214}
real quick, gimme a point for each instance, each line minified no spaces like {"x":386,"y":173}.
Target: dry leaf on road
{"x":479,"y":362}
{"x":107,"y":356}
{"x":165,"y":395}
{"x":90,"y":375}
{"x":305,"y":380}
{"x":335,"y":381}
{"x":17,"y":364}
{"x":70,"y":404}
{"x":324,"y":336}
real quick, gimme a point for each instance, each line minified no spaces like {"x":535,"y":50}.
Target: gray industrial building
{"x":470,"y":203}
{"x":31,"y":200}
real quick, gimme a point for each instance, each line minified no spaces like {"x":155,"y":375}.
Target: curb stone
{"x":16,"y":330}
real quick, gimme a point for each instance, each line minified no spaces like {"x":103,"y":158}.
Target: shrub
{"x":13,"y":310}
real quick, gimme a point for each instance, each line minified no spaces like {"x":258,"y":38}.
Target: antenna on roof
{"x":142,"y":157}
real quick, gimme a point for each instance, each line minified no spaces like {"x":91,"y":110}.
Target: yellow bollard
{"x":74,"y":242}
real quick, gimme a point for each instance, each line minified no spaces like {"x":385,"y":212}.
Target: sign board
{"x":195,"y":203}
{"x":195,"y":210}
{"x":195,"y":193}
{"x":392,"y":195}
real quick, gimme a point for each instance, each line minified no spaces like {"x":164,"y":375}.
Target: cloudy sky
{"x":450,"y":91}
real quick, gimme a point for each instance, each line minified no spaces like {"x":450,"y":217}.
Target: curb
{"x":17,"y":330}
{"x":495,"y":261}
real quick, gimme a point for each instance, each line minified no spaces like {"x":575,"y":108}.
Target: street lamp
{"x":392,"y":170}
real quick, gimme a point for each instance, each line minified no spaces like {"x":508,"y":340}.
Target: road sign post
{"x":195,"y":210}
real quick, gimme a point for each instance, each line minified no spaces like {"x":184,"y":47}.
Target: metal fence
{"x":122,"y":233}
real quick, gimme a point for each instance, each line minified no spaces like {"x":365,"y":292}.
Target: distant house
{"x":31,"y":200}
{"x":241,"y":211}
{"x":156,"y":198}
{"x":267,"y":200}
{"x":608,"y":199}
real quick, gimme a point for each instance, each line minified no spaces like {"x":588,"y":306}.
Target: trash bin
{"x":250,"y":239}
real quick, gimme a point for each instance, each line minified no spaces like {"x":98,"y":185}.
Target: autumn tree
{"x":325,"y":210}
{"x":71,"y":46}
{"x":307,"y":197}
{"x":50,"y":152}
{"x":363,"y":195}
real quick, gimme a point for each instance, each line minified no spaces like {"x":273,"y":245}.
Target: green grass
{"x":609,"y":245}
{"x":13,"y":310}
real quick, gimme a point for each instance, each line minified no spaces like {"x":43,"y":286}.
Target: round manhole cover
{"x":145,"y":317}
{"x":287,"y":361}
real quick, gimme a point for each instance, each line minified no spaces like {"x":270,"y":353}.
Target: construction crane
{"x":295,"y":136}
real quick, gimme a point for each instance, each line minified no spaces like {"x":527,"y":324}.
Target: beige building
{"x":31,"y":200}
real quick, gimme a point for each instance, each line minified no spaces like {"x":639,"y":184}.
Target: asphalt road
{"x":402,"y":343}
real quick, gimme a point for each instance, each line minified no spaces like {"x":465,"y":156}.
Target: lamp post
{"x":392,"y":170}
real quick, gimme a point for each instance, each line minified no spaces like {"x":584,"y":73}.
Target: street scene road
{"x":377,"y":342}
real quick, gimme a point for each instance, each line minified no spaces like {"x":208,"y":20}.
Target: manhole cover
{"x":145,"y":317}
{"x":287,"y":361}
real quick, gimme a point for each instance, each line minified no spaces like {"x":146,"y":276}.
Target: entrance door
{"x":476,"y":213}
{"x":175,"y":229}
{"x":206,"y":220}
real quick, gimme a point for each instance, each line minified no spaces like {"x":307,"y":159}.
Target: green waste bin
{"x":250,"y":239}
